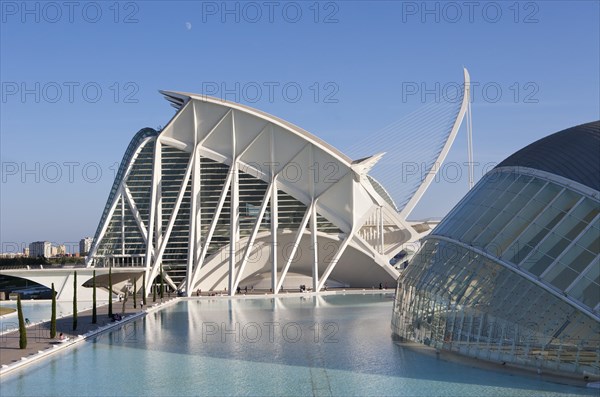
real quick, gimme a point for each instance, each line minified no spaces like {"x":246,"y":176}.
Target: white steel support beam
{"x":313,"y":224}
{"x":335,"y":260}
{"x":274,"y":212}
{"x":234,"y":223}
{"x":250,"y":244}
{"x":315,"y":246}
{"x":156,"y":177}
{"x":274,"y":231}
{"x":194,"y":227}
{"x":297,"y":239}
{"x":341,"y":249}
{"x":136,"y":214}
{"x":158,"y":232}
{"x":211,"y":230}
{"x":122,"y":197}
{"x":380,"y":229}
{"x":165,"y":240}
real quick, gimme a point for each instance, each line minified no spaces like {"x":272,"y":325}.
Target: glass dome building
{"x":512,"y":273}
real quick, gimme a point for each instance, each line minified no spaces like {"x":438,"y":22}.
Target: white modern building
{"x":512,"y":273}
{"x":40,"y":248}
{"x":227,"y":196}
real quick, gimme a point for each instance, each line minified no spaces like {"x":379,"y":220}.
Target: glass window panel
{"x":537,"y":263}
{"x":593,"y":245}
{"x":472,"y":214}
{"x":553,"y":245}
{"x":548,"y":193}
{"x":508,"y":216}
{"x":472,"y":209}
{"x":521,"y":182}
{"x":500,"y":184}
{"x":587,"y":210}
{"x":566,"y":200}
{"x":577,"y":258}
{"x":446,"y":228}
{"x":550,"y":217}
{"x":561,"y":277}
{"x":570,"y":227}
{"x":587,"y":288}
{"x":516,"y":252}
{"x":507,"y":236}
{"x":531,"y":237}
{"x":480,"y":224}
{"x":579,"y":255}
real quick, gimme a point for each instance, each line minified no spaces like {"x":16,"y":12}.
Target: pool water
{"x":40,"y":310}
{"x":295,"y":346}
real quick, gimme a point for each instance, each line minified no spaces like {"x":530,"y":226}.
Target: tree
{"x":144,"y":288}
{"x":94,"y":310}
{"x":53,"y":316}
{"x":162,"y":283}
{"x":110,"y":312}
{"x":74,"y":300}
{"x":22,"y":329}
{"x":134,"y":292}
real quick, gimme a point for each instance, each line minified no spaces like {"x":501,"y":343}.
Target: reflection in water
{"x":326,"y":345}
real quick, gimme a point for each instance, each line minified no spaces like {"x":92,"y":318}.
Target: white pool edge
{"x":51,"y":350}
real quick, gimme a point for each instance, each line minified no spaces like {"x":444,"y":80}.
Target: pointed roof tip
{"x":364,"y":165}
{"x":369,"y":159}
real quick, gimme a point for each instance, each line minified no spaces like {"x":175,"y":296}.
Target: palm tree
{"x":22,"y":330}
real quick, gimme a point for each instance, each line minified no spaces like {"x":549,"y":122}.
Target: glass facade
{"x":512,"y":274}
{"x":540,"y":227}
{"x":123,"y":243}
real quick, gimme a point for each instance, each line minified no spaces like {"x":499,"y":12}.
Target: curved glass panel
{"x":534,"y":224}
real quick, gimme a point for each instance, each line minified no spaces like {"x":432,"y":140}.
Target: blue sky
{"x":78,"y":83}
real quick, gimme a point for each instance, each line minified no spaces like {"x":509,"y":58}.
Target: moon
{"x":188,"y":25}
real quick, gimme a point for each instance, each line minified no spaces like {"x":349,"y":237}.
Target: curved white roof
{"x":183,"y":97}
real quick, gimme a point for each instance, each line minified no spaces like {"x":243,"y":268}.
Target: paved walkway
{"x":38,"y":335}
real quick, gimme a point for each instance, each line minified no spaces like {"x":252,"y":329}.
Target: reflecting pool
{"x":296,"y":346}
{"x":41,"y":310}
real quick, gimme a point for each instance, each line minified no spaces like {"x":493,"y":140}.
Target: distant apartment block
{"x":61,"y":250}
{"x":40,"y":248}
{"x":84,"y":245}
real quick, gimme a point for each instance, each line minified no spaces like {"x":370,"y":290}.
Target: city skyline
{"x":535,"y":67}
